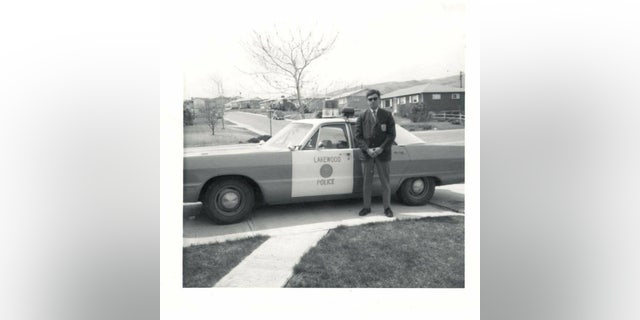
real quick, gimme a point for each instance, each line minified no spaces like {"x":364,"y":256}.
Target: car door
{"x":324,"y":165}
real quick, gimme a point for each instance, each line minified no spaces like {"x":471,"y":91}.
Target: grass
{"x":199,"y":135}
{"x":424,"y":253}
{"x":204,"y":265}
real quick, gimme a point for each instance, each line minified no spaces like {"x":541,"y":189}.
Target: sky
{"x":377,"y":42}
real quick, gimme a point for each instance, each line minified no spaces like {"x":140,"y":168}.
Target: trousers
{"x":367,"y":173}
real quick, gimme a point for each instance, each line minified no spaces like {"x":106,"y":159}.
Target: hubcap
{"x":230,"y":199}
{"x":417,"y":186}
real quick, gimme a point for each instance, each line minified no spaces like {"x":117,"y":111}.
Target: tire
{"x":417,"y":191}
{"x":229,"y":200}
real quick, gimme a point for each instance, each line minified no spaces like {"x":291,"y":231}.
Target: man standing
{"x":375,"y":133}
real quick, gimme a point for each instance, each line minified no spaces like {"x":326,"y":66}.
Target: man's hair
{"x":372,"y":92}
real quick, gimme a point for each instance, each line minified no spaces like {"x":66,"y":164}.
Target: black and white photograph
{"x":326,"y":150}
{"x":325,"y":156}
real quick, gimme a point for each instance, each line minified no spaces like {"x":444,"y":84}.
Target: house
{"x":310,"y":103}
{"x":284,"y":104}
{"x":435,"y":97}
{"x":244,"y":103}
{"x":315,"y":103}
{"x":199,"y":104}
{"x":353,"y":99}
{"x":267,"y":104}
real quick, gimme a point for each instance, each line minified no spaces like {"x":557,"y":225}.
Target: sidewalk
{"x":271,"y":264}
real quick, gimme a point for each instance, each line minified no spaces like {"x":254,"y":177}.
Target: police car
{"x":311,"y":160}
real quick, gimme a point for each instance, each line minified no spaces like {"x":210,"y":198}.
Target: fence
{"x":451,"y":116}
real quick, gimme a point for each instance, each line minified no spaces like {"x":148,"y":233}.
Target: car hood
{"x":229,"y":149}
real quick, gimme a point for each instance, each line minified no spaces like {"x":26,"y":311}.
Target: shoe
{"x":388,"y":212}
{"x":364,"y":212}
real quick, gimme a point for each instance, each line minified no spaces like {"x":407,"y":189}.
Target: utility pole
{"x":270,"y":119}
{"x":461,"y":74}
{"x":223,"y":114}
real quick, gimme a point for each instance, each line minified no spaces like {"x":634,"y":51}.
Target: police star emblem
{"x":326,"y":171}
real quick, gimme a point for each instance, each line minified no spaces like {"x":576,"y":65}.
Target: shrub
{"x":418,"y":112}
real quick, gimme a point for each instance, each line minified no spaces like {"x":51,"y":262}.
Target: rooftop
{"x":243,"y":100}
{"x":346,"y":94}
{"x":422,"y":88}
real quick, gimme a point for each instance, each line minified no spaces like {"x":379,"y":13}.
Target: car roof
{"x":325,"y":120}
{"x":403,"y":136}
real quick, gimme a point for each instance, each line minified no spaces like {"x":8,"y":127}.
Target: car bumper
{"x":190,"y":193}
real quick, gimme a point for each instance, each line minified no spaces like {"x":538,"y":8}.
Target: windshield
{"x":291,"y":135}
{"x":404,"y":137}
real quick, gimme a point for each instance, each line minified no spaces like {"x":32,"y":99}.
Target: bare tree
{"x":212,"y":114}
{"x":282,"y":60}
{"x":218,"y":86}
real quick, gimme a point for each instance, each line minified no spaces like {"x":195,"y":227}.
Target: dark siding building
{"x":436,"y":98}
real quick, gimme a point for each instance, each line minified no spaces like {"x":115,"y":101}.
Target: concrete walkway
{"x":271,"y":264}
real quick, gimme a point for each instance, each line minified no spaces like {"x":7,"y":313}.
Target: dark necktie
{"x":372,"y":123}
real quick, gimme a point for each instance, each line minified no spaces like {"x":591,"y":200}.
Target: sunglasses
{"x":372,"y":99}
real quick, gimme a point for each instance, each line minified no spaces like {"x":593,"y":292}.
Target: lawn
{"x":199,"y":135}
{"x":424,"y":253}
{"x":204,"y":265}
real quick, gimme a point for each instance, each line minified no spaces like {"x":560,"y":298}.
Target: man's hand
{"x":371,"y":152}
{"x":377,"y":151}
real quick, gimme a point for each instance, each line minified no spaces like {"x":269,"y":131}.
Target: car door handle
{"x":398,"y":152}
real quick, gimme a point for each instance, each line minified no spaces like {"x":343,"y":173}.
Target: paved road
{"x":455,"y":136}
{"x":446,"y":199}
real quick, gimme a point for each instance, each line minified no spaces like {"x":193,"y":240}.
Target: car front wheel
{"x":229,"y":200}
{"x":417,"y":191}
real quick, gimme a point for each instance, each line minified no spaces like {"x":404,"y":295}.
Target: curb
{"x":312,"y":227}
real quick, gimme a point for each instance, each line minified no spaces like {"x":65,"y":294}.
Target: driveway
{"x":196,"y":225}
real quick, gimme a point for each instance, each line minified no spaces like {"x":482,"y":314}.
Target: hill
{"x":386,"y":87}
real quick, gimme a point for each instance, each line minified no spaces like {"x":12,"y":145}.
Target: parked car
{"x":311,"y":160}
{"x":278,"y":115}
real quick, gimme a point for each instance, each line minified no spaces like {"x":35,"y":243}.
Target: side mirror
{"x":292,"y":147}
